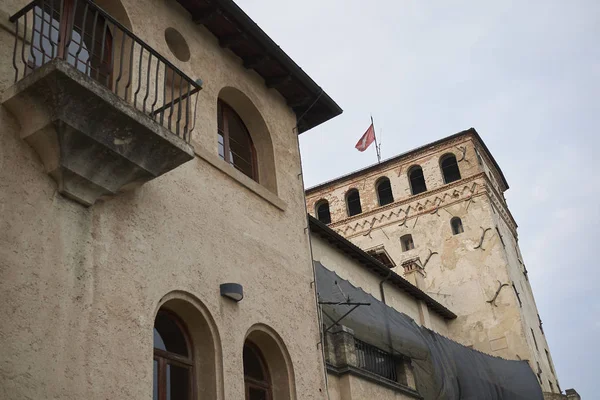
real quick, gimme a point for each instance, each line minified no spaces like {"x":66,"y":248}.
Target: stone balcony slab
{"x":91,"y":142}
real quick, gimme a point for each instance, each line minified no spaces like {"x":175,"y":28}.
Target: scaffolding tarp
{"x":444,"y":369}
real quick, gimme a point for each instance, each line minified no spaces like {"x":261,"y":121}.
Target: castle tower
{"x":438,"y":216}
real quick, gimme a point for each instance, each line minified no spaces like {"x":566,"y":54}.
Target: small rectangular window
{"x":407,"y":242}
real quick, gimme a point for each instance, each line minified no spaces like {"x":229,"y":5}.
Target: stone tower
{"x":437,"y":215}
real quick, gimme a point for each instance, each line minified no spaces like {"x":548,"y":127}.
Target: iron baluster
{"x":81,"y":36}
{"x":139,"y":77}
{"x":156,"y":87}
{"x":15,"y":50}
{"x":130,"y":69}
{"x":120,"y":64}
{"x":147,"y":81}
{"x":179,"y":104}
{"x":91,"y":50}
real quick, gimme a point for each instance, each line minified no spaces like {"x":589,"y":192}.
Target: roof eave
{"x":309,"y":102}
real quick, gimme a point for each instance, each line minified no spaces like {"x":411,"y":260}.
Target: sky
{"x":525,"y":74}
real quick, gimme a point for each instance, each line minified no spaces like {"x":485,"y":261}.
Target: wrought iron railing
{"x":375,"y":360}
{"x":99,"y":46}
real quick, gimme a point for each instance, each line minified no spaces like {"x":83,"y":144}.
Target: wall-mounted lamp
{"x":233,"y":291}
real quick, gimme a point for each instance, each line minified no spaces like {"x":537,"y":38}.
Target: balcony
{"x":102,"y":109}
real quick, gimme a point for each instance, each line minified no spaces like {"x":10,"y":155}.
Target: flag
{"x":366,"y":139}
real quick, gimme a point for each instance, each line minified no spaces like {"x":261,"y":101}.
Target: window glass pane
{"x":168,"y":336}
{"x":221,"y":145}
{"x":155,"y":390}
{"x":257,"y":394}
{"x":240,"y":144}
{"x":178,"y":383}
{"x":252,"y":365}
{"x":45,"y":37}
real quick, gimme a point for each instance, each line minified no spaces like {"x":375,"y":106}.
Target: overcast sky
{"x":525,"y":74}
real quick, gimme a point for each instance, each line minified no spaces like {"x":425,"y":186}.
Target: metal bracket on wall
{"x":469,"y":201}
{"x":370,"y":229}
{"x":493,"y":301}
{"x":463,"y":150}
{"x":431,"y":253}
{"x":479,"y":246}
{"x":338,"y":303}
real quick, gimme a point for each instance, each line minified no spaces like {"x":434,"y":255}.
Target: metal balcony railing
{"x":97,"y":45}
{"x":375,"y":360}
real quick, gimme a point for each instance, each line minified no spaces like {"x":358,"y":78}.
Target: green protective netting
{"x":444,"y":369}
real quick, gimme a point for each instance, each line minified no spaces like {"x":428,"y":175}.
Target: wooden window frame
{"x":165,"y":358}
{"x":224,"y":109}
{"x":251,"y":383}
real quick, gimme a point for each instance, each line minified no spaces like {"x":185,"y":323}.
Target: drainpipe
{"x":312,"y":264}
{"x":387,"y":322}
{"x":381,"y":291}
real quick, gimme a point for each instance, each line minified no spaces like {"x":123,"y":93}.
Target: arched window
{"x":256,"y":375}
{"x":417,"y":180}
{"x":407,"y":242}
{"x":353,"y":202}
{"x":457,"y":226}
{"x":173,"y":359}
{"x":235,"y":144}
{"x":450,"y":168}
{"x":384,"y":191}
{"x":322,"y":211}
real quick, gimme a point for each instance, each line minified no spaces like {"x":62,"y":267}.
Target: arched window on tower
{"x":173,"y":359}
{"x":322,"y":211}
{"x":256,"y":375}
{"x":384,"y":191}
{"x":417,"y":180}
{"x":449,"y":167}
{"x":353,"y":202}
{"x":457,"y":226}
{"x":235,"y":144}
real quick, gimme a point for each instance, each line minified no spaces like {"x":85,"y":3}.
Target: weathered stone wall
{"x":80,"y":287}
{"x":464,"y":271}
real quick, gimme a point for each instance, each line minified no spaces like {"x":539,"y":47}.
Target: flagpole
{"x":376,"y":145}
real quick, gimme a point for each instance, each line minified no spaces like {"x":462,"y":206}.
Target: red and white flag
{"x":366,"y":139}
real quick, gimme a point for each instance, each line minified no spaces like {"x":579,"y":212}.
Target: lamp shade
{"x":233,"y":291}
